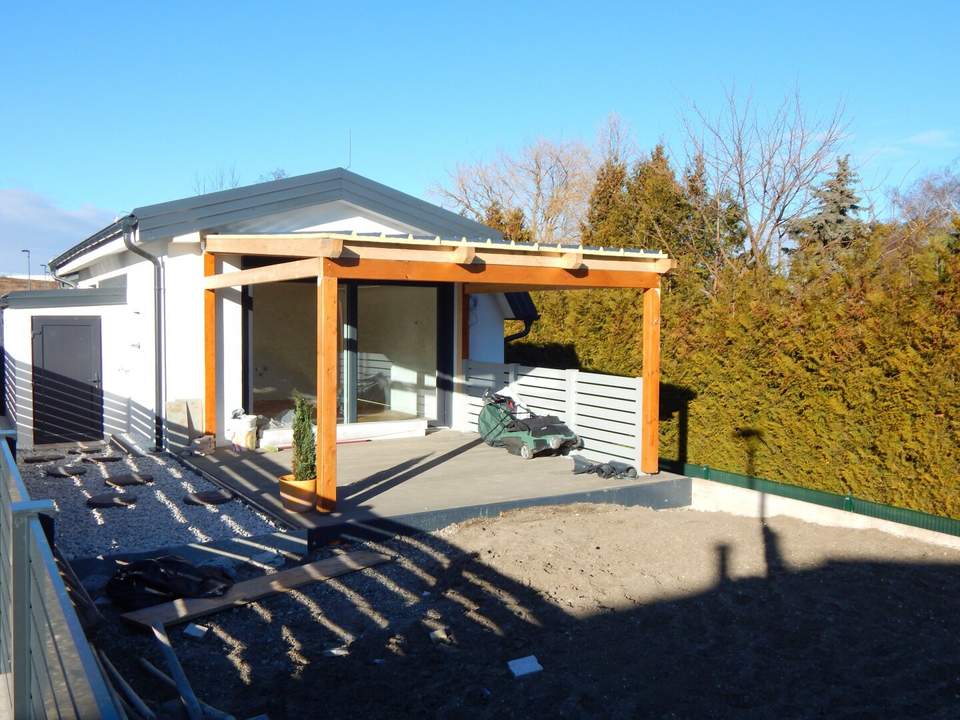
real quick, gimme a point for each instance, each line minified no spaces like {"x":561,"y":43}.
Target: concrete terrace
{"x":429,"y":482}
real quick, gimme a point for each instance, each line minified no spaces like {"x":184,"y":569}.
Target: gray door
{"x":67,"y":391}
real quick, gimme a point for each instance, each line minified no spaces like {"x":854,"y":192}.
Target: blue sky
{"x":107,"y":107}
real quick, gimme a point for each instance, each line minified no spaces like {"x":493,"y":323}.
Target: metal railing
{"x":47,"y":666}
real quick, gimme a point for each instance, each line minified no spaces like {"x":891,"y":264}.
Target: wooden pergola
{"x":491,"y":266}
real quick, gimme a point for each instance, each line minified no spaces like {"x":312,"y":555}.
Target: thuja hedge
{"x":843,"y":375}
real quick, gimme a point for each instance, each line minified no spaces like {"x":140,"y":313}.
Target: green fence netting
{"x":904,"y":516}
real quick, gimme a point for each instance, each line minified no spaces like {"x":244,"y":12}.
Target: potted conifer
{"x":298,"y":491}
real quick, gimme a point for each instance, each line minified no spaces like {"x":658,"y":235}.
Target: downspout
{"x":129,"y":224}
{"x":63,"y":281}
{"x":527,"y":327}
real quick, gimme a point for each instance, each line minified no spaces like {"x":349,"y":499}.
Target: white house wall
{"x":486,"y":328}
{"x":119,"y":358}
{"x":128,"y":355}
{"x":333,"y":216}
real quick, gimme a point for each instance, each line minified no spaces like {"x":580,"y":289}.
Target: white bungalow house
{"x":122,"y":348}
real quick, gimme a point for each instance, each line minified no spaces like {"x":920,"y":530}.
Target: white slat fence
{"x":604,"y":410}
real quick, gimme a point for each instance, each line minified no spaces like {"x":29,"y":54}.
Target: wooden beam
{"x":650,"y":420}
{"x":327,"y":332}
{"x":209,"y":349}
{"x":268,"y":273}
{"x":571,"y":260}
{"x":464,"y":255}
{"x":516,"y":277}
{"x":286,"y":245}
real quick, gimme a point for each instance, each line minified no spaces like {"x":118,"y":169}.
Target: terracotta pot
{"x":297,"y":496}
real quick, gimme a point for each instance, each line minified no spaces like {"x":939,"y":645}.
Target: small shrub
{"x":304,"y":444}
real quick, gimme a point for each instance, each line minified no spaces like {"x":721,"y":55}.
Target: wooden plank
{"x":209,"y":349}
{"x":247,"y":591}
{"x":650,"y":423}
{"x":327,"y":333}
{"x":603,"y":423}
{"x":293,"y":270}
{"x":608,"y":391}
{"x":305,"y":245}
{"x":509,"y":277}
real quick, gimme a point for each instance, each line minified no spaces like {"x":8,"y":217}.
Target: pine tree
{"x":509,"y":221}
{"x":603,"y":224}
{"x":835,"y":222}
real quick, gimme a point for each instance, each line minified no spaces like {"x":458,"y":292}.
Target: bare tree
{"x":767,"y":165}
{"x":220,"y":179}
{"x":549,"y":181}
{"x":275,"y":174}
{"x":933,"y":200}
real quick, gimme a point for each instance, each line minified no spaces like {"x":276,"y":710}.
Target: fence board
{"x":601,"y":409}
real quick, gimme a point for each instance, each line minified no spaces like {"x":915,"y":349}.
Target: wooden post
{"x":327,"y":331}
{"x":650,"y":422}
{"x":209,"y":348}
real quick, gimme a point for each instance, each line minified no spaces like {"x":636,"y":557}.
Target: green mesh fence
{"x":904,"y":516}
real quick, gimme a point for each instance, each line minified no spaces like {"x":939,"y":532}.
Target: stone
{"x":209,"y":497}
{"x":42,"y":458}
{"x":440,"y":636}
{"x":111,"y":500}
{"x":341,"y":651}
{"x":525,"y":666}
{"x":65,"y":471}
{"x":101,"y":458}
{"x":128,"y":479}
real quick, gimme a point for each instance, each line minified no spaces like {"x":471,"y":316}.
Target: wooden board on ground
{"x":247,"y":591}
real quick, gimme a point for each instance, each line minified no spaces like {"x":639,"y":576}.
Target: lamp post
{"x":29,"y":280}
{"x":43,"y":267}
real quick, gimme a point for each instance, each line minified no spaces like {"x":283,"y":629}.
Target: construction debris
{"x":249,"y":590}
{"x":187,"y":696}
{"x":124,"y":687}
{"x":197,"y":632}
{"x":208,"y":710}
{"x":524,"y":666}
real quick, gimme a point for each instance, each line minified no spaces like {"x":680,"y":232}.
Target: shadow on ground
{"x":846,"y":639}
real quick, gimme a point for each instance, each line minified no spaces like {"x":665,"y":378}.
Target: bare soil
{"x":632,"y":613}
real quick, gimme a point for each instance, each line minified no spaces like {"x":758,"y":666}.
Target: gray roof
{"x":64,"y":297}
{"x":212,"y":210}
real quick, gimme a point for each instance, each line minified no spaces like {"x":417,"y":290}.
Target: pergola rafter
{"x":479,"y":266}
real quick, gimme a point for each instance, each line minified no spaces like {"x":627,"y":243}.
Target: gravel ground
{"x":632,"y":613}
{"x":159,"y":519}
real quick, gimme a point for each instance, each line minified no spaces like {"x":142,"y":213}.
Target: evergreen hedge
{"x":841,"y":375}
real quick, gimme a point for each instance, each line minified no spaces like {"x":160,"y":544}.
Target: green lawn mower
{"x":499,"y":426}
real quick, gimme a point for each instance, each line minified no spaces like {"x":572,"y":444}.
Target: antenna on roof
{"x":349,"y":147}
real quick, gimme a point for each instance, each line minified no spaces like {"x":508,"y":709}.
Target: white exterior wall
{"x":486,"y":328}
{"x":128,"y":354}
{"x":119,"y":358}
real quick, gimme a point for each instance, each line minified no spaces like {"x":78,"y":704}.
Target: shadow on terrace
{"x":669,"y":627}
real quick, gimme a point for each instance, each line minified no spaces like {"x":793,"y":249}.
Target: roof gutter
{"x":128,"y":225}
